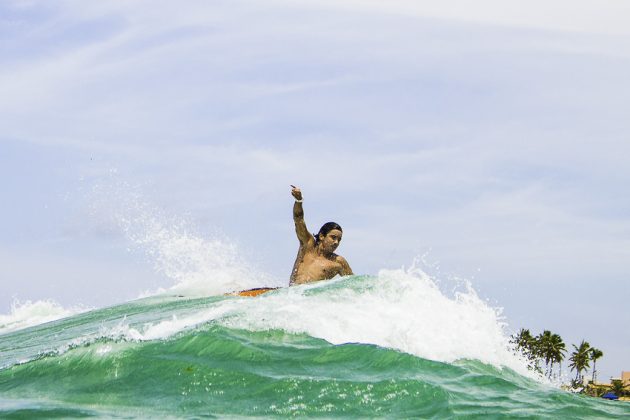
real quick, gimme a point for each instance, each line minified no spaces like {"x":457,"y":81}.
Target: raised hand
{"x":296,"y":193}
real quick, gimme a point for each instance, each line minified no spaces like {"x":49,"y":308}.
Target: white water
{"x":398,"y":309}
{"x":27,"y":314}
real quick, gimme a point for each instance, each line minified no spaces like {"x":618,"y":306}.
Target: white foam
{"x":27,"y":314}
{"x":398,"y":309}
{"x":402,"y":310}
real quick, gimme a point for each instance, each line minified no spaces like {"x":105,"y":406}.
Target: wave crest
{"x":27,"y":314}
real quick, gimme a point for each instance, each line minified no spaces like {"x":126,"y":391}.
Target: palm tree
{"x":595,"y":354}
{"x":529,"y":346}
{"x":545,"y":350}
{"x":551,"y":348}
{"x":558,"y":349}
{"x":580,"y":359}
{"x":522,"y":338}
{"x":525,"y":342}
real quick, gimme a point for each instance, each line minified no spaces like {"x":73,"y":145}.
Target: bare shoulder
{"x":340,"y":259}
{"x":345,"y":267}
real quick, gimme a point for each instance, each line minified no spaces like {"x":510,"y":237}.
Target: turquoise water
{"x":276,"y":355}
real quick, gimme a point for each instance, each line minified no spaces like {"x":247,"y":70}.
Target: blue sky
{"x":493,"y":138}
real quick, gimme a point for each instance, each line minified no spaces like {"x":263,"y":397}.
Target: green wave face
{"x":91,"y":365}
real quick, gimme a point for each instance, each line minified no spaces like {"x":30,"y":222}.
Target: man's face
{"x":330,"y":242}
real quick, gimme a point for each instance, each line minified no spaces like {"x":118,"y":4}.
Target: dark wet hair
{"x":325,"y":229}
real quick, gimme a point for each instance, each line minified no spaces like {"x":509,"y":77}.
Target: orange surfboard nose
{"x":254,"y":292}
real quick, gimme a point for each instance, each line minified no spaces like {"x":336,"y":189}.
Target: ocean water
{"x":388,"y":345}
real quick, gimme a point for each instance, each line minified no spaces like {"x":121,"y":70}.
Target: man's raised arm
{"x":302,"y":232}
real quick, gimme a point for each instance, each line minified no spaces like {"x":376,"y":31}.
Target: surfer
{"x":316,"y":259}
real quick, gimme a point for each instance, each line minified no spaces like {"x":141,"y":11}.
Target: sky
{"x":490,"y":138}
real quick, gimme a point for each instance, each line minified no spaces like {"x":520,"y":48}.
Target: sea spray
{"x":186,"y":263}
{"x":195,"y":265}
{"x":26,"y":314}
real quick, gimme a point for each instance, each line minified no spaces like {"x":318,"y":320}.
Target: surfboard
{"x":254,"y":292}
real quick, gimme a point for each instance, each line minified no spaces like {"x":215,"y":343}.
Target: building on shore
{"x":625,"y":378}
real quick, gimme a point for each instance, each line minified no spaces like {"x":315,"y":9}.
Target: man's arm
{"x":345,"y":267}
{"x":302,"y":232}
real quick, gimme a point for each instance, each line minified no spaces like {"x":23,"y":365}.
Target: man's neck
{"x":320,"y":251}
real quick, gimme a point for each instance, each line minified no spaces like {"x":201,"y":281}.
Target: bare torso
{"x":310,"y":267}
